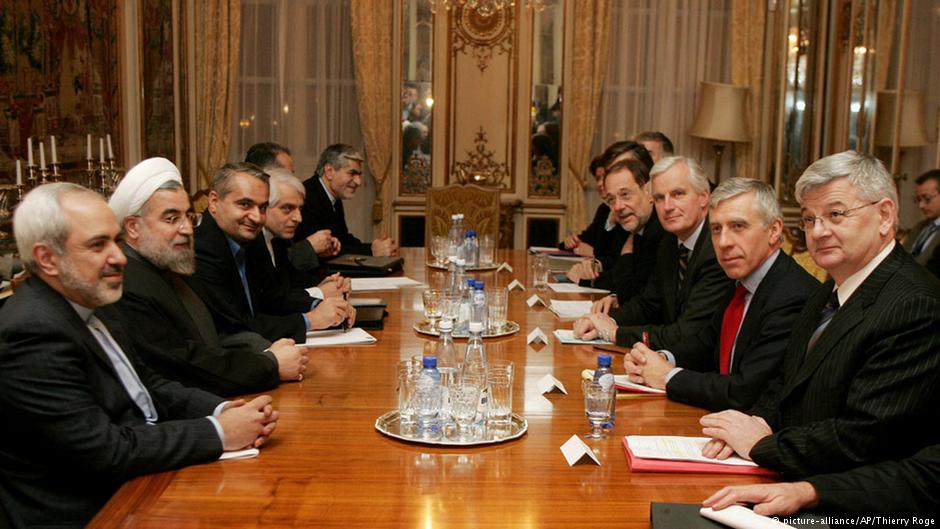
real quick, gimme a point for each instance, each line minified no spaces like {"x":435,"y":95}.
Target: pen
{"x":345,"y":320}
{"x":646,"y":339}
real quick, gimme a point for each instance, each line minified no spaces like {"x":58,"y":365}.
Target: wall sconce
{"x":721,"y":118}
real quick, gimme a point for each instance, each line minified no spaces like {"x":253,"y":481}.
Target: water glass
{"x":487,"y":250}
{"x":439,"y":248}
{"x":539,"y":271}
{"x":464,"y":398}
{"x":433,"y":304}
{"x":408,"y":373}
{"x":450,"y":306}
{"x":499,"y":380}
{"x":497,"y":308}
{"x":599,"y":404}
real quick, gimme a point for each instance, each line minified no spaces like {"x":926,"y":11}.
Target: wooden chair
{"x":479,"y":205}
{"x":794,"y":244}
{"x":200,"y":201}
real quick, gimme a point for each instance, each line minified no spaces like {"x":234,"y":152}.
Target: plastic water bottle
{"x":465,"y":306}
{"x":604,"y":377}
{"x":459,"y":279}
{"x":471,"y":249}
{"x":451,"y":273}
{"x":428,"y":399}
{"x":455,"y":235}
{"x":478,"y":304}
{"x":475,"y":365}
{"x":446,"y":353}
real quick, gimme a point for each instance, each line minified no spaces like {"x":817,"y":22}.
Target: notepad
{"x":571,"y":288}
{"x":354,"y":336}
{"x":360,"y":284}
{"x":570,"y":309}
{"x":566,"y":336}
{"x":623,"y":383}
{"x":665,"y":453}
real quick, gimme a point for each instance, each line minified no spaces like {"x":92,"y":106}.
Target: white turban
{"x":140,"y":183}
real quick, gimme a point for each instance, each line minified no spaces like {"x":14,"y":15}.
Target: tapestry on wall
{"x":59,"y":76}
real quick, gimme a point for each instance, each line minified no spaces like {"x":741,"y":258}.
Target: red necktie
{"x":730,"y":323}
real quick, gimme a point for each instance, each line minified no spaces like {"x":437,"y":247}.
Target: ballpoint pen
{"x":345,"y":298}
{"x":646,"y":339}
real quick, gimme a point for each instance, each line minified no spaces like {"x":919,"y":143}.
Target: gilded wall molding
{"x":481,"y":34}
{"x":480,"y":168}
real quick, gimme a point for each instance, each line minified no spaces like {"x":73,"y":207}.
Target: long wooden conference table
{"x":327,"y":466}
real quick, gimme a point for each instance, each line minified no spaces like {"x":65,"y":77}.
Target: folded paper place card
{"x":550,"y":384}
{"x":537,"y":335}
{"x":534,"y":300}
{"x":515,"y":284}
{"x":505,"y":266}
{"x":575,"y":450}
{"x":247,"y":453}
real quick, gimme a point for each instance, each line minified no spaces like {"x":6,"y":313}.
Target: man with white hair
{"x":88,"y":415}
{"x":687,"y":286}
{"x":861,"y":374}
{"x":174,"y":331}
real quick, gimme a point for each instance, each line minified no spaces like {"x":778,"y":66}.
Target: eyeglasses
{"x":832,"y":218}
{"x":623,"y":195}
{"x":924,"y":198}
{"x":177,"y":221}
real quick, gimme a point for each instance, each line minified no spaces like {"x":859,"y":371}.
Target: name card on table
{"x":550,"y":384}
{"x":537,"y":335}
{"x":505,"y":266}
{"x":535,"y":300}
{"x":515,"y":284}
{"x":575,"y":450}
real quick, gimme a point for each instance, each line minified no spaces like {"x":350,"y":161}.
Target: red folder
{"x":688,"y":467}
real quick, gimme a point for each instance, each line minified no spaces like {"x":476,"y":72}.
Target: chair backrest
{"x":479,"y":205}
{"x":200,"y":201}
{"x":794,"y":243}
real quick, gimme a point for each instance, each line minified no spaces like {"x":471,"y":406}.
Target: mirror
{"x":416,"y":97}
{"x":548,"y":35}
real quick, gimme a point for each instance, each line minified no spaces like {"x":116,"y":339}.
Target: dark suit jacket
{"x":170,"y":341}
{"x":905,"y":488}
{"x":761,"y":343}
{"x":868,"y":387}
{"x":606,"y":244}
{"x":318,"y":214}
{"x":218,"y":284}
{"x":630,"y":272}
{"x":931,"y":250}
{"x":73,"y":433}
{"x":302,"y":268}
{"x":661,"y":309}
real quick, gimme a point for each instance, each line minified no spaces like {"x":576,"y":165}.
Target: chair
{"x":200,"y":201}
{"x":479,"y":205}
{"x":794,"y":244}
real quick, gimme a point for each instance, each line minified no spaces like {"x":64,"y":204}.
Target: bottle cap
{"x":471,"y":233}
{"x":455,"y":216}
{"x":480,"y":284}
{"x":476,"y":326}
{"x":430,"y":361}
{"x":603,"y":360}
{"x":446,"y":324}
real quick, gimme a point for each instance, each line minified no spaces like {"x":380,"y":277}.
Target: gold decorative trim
{"x":480,"y":168}
{"x":482,"y":32}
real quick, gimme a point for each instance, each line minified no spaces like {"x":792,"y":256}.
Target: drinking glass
{"x":450,"y":306}
{"x":598,"y":406}
{"x":408,"y":373}
{"x":539,"y":271}
{"x":497,"y":303}
{"x":439,"y":249}
{"x":499,"y":380}
{"x":433,"y":304}
{"x":464,"y":398}
{"x":487,"y":250}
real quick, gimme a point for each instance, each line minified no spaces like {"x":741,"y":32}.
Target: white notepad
{"x":354,"y":336}
{"x":570,"y":309}
{"x":566,"y":336}
{"x":678,"y":448}
{"x":571,"y":288}
{"x":360,"y":284}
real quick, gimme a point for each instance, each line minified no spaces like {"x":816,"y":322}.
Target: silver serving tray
{"x":481,"y":268}
{"x":510,"y":327}
{"x":388,"y":424}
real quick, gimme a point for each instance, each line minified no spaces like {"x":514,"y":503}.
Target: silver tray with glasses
{"x":430,"y":328}
{"x":480,"y":268}
{"x":389,"y":425}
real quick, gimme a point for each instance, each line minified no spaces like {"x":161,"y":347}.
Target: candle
{"x":55,"y":159}
{"x":42,"y":155}
{"x":101,"y":149}
{"x":29,"y":149}
{"x":110,"y":152}
{"x":19,"y":172}
{"x":88,"y":150}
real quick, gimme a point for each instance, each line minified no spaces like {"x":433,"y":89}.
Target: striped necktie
{"x":922,"y":239}
{"x":825,"y":316}
{"x":683,"y":264}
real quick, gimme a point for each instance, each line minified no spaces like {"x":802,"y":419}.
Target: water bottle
{"x":465,"y":306}
{"x":472,"y":249}
{"x":428,"y":400}
{"x":459,"y":279}
{"x":446,"y":353}
{"x":451,"y":273}
{"x":455,"y":235}
{"x":474,"y":365}
{"x":604,"y":377}
{"x":478,"y":304}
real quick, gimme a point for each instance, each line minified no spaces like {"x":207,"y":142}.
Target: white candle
{"x":42,"y":155}
{"x":19,"y":172}
{"x":110,"y":152}
{"x":29,"y":149}
{"x":101,"y":149}
{"x":88,"y":150}
{"x":55,"y":159}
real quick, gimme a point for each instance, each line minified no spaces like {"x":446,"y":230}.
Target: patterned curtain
{"x":217,"y":36}
{"x":747,"y":56}
{"x":591,"y":30}
{"x":372,"y":49}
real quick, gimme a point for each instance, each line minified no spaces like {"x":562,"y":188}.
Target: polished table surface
{"x":327,"y":466}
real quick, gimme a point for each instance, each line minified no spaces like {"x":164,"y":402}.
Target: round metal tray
{"x":481,"y":268}
{"x":510,"y":327}
{"x":388,"y":424}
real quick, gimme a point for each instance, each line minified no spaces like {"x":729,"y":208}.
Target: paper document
{"x":570,"y":309}
{"x":247,"y":453}
{"x":567,"y":336}
{"x":571,"y":288}
{"x":678,"y":448}
{"x":739,"y":517}
{"x":360,"y":284}
{"x":367,"y":302}
{"x":623,"y":382}
{"x":354,"y":336}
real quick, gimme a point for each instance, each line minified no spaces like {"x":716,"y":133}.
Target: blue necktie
{"x":125,"y":371}
{"x":922,"y":239}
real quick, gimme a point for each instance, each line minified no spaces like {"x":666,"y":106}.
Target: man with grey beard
{"x":174,"y":331}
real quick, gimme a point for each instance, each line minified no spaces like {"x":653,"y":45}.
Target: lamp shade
{"x":913,"y":128}
{"x":721,"y":113}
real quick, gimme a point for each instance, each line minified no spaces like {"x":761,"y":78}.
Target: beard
{"x":168,"y":257}
{"x":95,"y":293}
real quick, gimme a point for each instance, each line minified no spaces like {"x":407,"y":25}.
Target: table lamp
{"x":721,"y":118}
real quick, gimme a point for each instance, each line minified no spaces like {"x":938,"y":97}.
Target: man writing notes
{"x":860,"y":374}
{"x":338,"y":176}
{"x":687,"y":286}
{"x":729,"y":363}
{"x":230,"y":254}
{"x":88,"y":415}
{"x":173,"y":329}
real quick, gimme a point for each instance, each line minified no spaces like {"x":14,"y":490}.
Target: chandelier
{"x":485,"y":8}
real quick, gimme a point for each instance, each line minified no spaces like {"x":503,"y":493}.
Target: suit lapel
{"x":755,"y":310}
{"x":669,"y":268}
